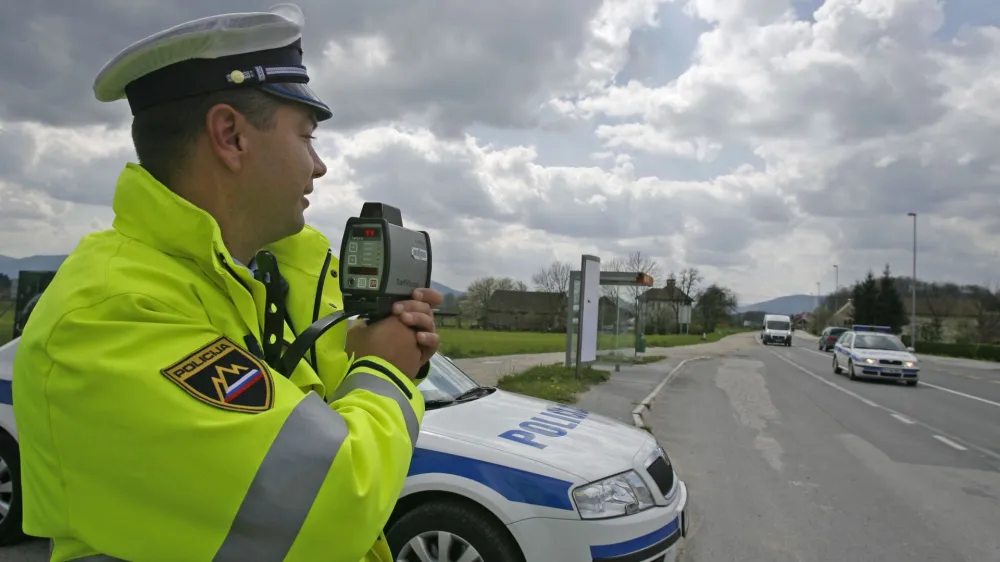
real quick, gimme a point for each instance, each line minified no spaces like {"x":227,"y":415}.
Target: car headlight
{"x":623,"y":494}
{"x":870,"y":361}
{"x":909,"y":364}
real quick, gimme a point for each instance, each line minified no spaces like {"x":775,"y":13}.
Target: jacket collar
{"x":146,"y":210}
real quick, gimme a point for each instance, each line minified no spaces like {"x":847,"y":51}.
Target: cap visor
{"x":301,"y":93}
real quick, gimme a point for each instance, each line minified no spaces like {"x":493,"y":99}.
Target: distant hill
{"x":787,"y":305}
{"x":11,"y":266}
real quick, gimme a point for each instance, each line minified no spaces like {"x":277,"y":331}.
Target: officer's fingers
{"x":429,"y":340}
{"x":412,"y":307}
{"x":429,"y":343}
{"x":429,"y":296}
{"x":423,"y":322}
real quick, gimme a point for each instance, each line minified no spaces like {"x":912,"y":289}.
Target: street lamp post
{"x":819,"y":300}
{"x":913,"y":287}
{"x":836,"y":290}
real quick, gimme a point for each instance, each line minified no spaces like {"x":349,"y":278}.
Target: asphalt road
{"x":786,"y":461}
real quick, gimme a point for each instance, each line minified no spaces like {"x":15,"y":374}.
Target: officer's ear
{"x":224,"y":128}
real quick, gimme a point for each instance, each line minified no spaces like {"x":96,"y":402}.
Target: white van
{"x":777,"y":329}
{"x":498,"y":476}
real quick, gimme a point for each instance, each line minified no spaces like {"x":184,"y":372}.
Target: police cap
{"x":255,"y":49}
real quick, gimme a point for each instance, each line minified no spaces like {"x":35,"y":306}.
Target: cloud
{"x":758,"y":140}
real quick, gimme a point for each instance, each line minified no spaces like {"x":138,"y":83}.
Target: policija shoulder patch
{"x":224,"y":375}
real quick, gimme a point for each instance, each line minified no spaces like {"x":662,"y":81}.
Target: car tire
{"x":468,"y":525}
{"x":10,"y":491}
{"x":911,"y":383}
{"x":836,"y":367}
{"x":850,"y":370}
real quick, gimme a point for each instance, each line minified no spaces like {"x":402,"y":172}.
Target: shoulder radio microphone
{"x":381,"y":263}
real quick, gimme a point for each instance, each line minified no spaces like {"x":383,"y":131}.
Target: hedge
{"x":981,"y":351}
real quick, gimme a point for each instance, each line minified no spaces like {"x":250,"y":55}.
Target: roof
{"x":669,"y":293}
{"x":526,"y":302}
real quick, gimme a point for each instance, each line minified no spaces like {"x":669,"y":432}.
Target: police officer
{"x":151,"y":425}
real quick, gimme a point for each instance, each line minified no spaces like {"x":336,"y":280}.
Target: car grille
{"x":890,"y":362}
{"x":662,"y":474}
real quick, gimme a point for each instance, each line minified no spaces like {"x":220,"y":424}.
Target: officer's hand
{"x":419,"y":313}
{"x":388,"y":339}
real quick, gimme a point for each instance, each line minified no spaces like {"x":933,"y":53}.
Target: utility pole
{"x":913,"y":287}
{"x":819,"y":301}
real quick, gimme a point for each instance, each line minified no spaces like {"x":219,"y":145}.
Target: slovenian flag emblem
{"x":241,"y":385}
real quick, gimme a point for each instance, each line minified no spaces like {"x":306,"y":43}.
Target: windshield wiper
{"x":476,"y":392}
{"x":471,"y":394}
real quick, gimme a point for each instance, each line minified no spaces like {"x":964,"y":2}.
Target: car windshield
{"x":778,"y":325}
{"x":445,"y":380}
{"x":878,"y":341}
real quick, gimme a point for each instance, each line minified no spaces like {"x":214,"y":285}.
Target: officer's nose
{"x":319,"y":167}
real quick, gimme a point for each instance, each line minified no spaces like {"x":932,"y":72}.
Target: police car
{"x":495,"y":477}
{"x":874,"y":352}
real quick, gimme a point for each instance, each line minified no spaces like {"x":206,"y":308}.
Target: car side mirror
{"x":910,"y":349}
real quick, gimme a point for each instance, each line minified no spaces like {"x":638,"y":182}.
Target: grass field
{"x":554,"y":382}
{"x":459,"y":343}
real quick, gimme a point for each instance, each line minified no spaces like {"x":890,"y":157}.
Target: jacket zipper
{"x":250,"y":339}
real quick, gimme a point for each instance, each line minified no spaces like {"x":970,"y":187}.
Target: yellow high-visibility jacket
{"x":149,"y":430}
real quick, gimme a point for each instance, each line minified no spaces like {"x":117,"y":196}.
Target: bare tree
{"x":636,"y":262}
{"x":615,"y":264}
{"x":554,"y":278}
{"x":686,"y":282}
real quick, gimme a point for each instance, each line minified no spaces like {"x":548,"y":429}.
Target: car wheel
{"x":850,"y":370}
{"x":836,"y":367}
{"x":911,"y":383}
{"x":10,"y":491}
{"x":451,"y":531}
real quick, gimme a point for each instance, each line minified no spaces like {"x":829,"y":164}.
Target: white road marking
{"x":903,"y":419}
{"x":950,"y":443}
{"x":962,"y":394}
{"x":933,"y":429}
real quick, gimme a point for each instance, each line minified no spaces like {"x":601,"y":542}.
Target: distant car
{"x":777,"y":329}
{"x":829,"y":337}
{"x":871,"y":352}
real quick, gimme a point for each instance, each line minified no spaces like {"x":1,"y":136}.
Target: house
{"x":666,"y":310}
{"x":533,"y":311}
{"x":802,"y":321}
{"x":609,"y":311}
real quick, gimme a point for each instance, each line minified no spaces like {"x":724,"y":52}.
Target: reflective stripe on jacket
{"x":150,"y":431}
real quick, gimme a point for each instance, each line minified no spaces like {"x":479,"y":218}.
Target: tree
{"x":480,"y":291}
{"x":554,"y":278}
{"x":635,"y":262}
{"x":5,"y":284}
{"x":687,"y":281}
{"x":889,"y":309}
{"x":865,"y":298}
{"x":715,"y":303}
{"x":987,"y":307}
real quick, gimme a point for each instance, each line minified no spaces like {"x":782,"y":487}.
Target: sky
{"x":761,"y":141}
